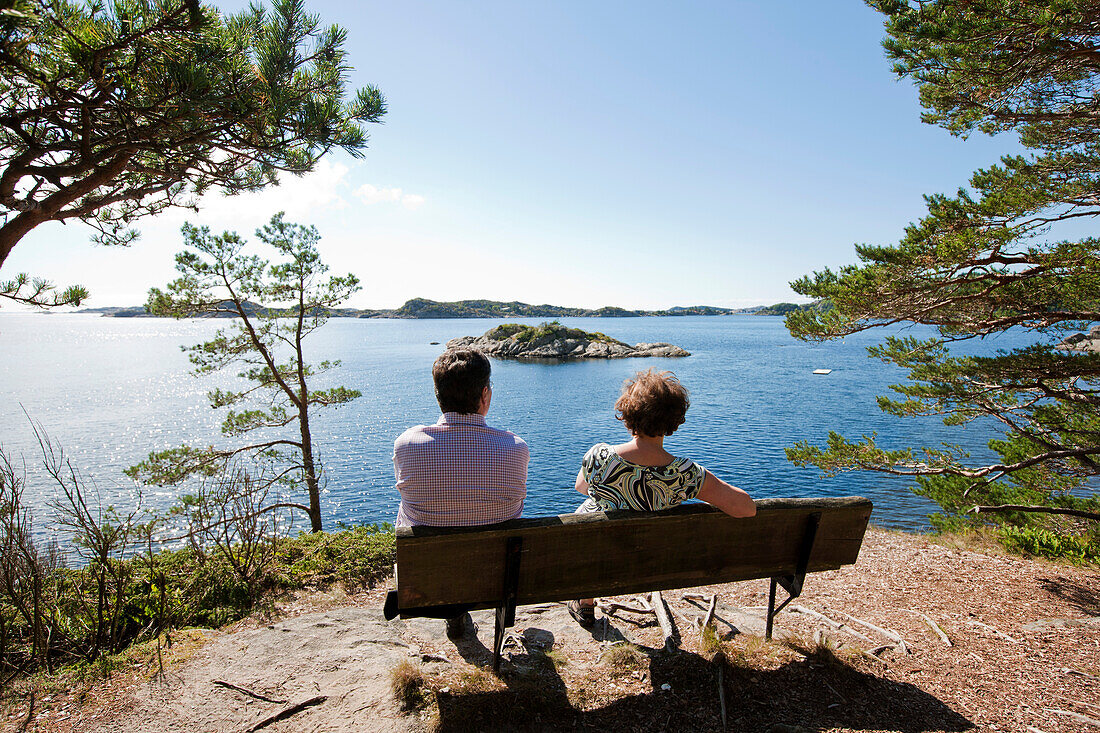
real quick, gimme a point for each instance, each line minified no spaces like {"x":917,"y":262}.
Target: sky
{"x":640,"y":154}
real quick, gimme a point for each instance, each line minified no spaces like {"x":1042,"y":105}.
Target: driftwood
{"x":932,"y":625}
{"x":834,"y":624}
{"x":994,"y":629}
{"x":250,"y":693}
{"x":286,"y":713}
{"x":664,"y":619}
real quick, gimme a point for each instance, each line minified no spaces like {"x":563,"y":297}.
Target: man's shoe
{"x":582,"y":614}
{"x":456,"y":626}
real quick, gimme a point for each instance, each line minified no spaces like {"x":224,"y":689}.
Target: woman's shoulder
{"x":686,"y":466}
{"x":600,"y":451}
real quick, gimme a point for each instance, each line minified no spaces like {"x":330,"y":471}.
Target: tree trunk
{"x":16,"y":228}
{"x":309,"y":468}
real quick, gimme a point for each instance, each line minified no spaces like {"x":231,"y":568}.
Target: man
{"x":460,"y":471}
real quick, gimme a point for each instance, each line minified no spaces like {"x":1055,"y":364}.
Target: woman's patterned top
{"x":615,"y":483}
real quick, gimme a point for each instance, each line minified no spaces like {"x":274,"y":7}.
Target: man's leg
{"x":457,"y":625}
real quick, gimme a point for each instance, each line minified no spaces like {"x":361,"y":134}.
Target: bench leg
{"x":771,"y":610}
{"x":793,"y":583}
{"x":506,"y":612}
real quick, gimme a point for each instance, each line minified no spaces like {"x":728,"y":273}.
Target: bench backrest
{"x":584,"y":555}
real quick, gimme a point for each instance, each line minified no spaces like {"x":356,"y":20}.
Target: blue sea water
{"x":111,"y":390}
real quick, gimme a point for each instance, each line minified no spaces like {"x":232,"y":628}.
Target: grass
{"x":558,"y":658}
{"x":623,"y":658}
{"x":408,"y":685}
{"x":752,"y":651}
{"x":709,"y":643}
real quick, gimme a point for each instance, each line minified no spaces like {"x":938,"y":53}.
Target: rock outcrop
{"x":1082,"y":342}
{"x":554,"y":341}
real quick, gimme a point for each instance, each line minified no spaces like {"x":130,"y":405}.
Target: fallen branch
{"x":890,"y":634}
{"x":710,"y":613}
{"x":609,"y":607}
{"x":1076,"y":716}
{"x":834,"y":624}
{"x":932,"y":625}
{"x":284,"y":714}
{"x":1082,"y":703}
{"x":720,"y":660}
{"x":30,"y":714}
{"x":1068,"y":670}
{"x":1041,"y":509}
{"x":994,"y":629}
{"x":250,"y":693}
{"x":664,"y":619}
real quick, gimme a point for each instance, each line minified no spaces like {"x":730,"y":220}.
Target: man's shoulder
{"x":415,"y":434}
{"x":507,"y":437}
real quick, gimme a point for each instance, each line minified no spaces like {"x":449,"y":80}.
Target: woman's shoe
{"x":584,"y":615}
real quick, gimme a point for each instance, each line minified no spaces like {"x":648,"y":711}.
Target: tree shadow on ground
{"x":1085,"y":598}
{"x":811,"y":694}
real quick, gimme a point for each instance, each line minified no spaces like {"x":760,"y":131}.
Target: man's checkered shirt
{"x":459,"y":472}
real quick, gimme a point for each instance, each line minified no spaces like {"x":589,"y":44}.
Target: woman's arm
{"x":581,"y":485}
{"x":720,"y":495}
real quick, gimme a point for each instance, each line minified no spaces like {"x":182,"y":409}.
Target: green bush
{"x":357,"y":557}
{"x":150,"y":594}
{"x":1041,"y":542}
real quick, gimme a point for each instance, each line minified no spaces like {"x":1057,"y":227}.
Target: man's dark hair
{"x":460,"y":375}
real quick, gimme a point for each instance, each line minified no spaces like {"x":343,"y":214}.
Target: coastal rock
{"x":554,"y":341}
{"x":1081,"y":342}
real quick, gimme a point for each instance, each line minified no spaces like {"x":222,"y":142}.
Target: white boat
{"x":822,"y":371}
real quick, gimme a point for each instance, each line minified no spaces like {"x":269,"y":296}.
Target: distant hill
{"x":424,"y":308}
{"x":782,"y":309}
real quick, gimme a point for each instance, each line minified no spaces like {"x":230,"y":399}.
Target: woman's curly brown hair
{"x":652,"y":403}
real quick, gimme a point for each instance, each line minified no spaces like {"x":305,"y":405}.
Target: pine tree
{"x":113,"y":111}
{"x":985,"y":260}
{"x":266,"y":342}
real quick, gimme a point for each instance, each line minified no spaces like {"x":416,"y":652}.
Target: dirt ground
{"x":1020,"y":651}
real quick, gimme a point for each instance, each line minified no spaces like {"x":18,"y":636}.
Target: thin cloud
{"x":370,"y":194}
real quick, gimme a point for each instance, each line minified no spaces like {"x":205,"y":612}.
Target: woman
{"x":640,"y":475}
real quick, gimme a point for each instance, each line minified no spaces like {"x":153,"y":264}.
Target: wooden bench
{"x":444,"y":571}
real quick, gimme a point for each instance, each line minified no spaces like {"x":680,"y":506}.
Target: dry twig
{"x":888,"y":633}
{"x":994,"y":629}
{"x":610,"y":607}
{"x":834,"y":624}
{"x":286,"y":713}
{"x":250,"y":693}
{"x":720,"y":660}
{"x":1076,"y":716}
{"x":932,"y":625}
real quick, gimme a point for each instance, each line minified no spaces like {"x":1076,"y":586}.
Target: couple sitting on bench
{"x":462,"y":472}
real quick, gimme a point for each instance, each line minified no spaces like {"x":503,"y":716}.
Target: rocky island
{"x":555,"y":341}
{"x":1082,"y":342}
